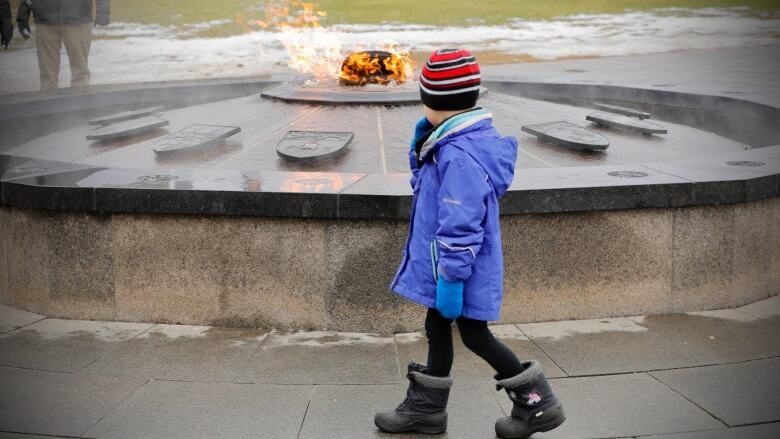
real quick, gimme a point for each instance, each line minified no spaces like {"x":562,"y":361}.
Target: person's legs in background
{"x":78,"y":40}
{"x":48,"y":41}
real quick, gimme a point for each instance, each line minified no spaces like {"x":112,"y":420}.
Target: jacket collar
{"x":454,"y":125}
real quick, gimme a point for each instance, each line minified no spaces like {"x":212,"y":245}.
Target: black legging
{"x":476,"y":336}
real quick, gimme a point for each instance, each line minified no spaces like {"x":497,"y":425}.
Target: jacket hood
{"x":473,"y":133}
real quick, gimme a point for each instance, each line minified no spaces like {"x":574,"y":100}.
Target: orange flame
{"x":313,"y":50}
{"x":378,"y":67}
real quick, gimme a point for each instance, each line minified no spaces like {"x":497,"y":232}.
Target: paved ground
{"x":742,"y":72}
{"x":704,"y":375}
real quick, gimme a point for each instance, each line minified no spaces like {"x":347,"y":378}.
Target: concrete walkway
{"x":748,"y":73}
{"x":704,"y":375}
{"x":743,"y":72}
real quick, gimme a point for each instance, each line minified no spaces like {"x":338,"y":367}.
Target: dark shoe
{"x":535,"y":408}
{"x":425,"y":408}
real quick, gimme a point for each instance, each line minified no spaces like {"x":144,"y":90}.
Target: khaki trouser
{"x":77,"y":39}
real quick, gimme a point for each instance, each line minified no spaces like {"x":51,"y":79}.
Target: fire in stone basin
{"x":315,"y":50}
{"x":374,"y":67}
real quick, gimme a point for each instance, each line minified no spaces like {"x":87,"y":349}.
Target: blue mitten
{"x":449,"y":298}
{"x":422,"y":127}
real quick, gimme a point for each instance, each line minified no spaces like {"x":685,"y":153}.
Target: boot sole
{"x":550,"y":425}
{"x":555,"y":423}
{"x":412,"y":428}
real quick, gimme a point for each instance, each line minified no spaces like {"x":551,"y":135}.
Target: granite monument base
{"x":334,"y":274}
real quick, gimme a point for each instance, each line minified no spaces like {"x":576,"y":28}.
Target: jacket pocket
{"x":435,"y":260}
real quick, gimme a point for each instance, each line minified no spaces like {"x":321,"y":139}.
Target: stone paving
{"x":739,"y":72}
{"x":702,"y":375}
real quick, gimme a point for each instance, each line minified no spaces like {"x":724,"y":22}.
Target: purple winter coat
{"x":454,"y":229}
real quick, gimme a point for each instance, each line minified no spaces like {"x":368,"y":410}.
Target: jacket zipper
{"x":435,"y":260}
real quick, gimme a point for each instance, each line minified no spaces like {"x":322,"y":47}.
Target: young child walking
{"x":452,"y":261}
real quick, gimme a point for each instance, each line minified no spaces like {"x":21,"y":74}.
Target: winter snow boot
{"x":425,"y":408}
{"x":535,"y":407}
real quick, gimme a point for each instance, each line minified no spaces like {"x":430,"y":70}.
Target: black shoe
{"x":425,"y":408}
{"x":535,"y":407}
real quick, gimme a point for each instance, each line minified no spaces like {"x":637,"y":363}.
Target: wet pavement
{"x":712,"y":374}
{"x":738,"y":72}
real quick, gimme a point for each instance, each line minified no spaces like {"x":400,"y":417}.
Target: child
{"x":452,"y":261}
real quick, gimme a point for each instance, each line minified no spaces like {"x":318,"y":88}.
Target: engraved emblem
{"x":568,"y":134}
{"x":628,"y":174}
{"x":312,"y":145}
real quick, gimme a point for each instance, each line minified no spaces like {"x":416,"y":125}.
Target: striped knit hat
{"x":450,"y":80}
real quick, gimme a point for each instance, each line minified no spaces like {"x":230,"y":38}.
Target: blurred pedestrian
{"x":6,"y":23}
{"x":58,"y":23}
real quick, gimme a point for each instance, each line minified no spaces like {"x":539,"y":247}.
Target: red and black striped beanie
{"x":450,"y":80}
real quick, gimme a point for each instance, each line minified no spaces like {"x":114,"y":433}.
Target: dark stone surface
{"x":377,"y":196}
{"x":127,"y":128}
{"x":720,"y":336}
{"x":720,"y":184}
{"x":624,"y":345}
{"x":739,"y":394}
{"x":337,"y":95}
{"x":30,"y":436}
{"x":39,"y":105}
{"x":185,"y":353}
{"x":193,"y":137}
{"x":622,"y":110}
{"x":125,"y":115}
{"x":341,"y":412}
{"x":593,"y":188}
{"x":337,"y":358}
{"x":169,"y":190}
{"x":50,"y":192}
{"x":756,"y":124}
{"x":54,"y":403}
{"x":189,"y":191}
{"x":737,"y":177}
{"x":761,"y":431}
{"x":64,"y":345}
{"x":721,"y":179}
{"x":166,"y":409}
{"x":569,"y":135}
{"x":219,"y":191}
{"x":13,"y":167}
{"x":625,"y":123}
{"x":313,"y":145}
{"x":379,"y":146}
{"x":12,"y":318}
{"x":32,"y":171}
{"x":340,"y":96}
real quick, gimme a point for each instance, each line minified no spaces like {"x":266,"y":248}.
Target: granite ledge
{"x":699,"y":181}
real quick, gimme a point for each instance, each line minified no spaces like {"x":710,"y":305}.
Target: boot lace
{"x":406,"y":404}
